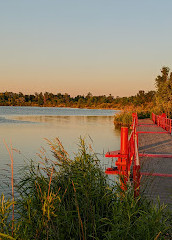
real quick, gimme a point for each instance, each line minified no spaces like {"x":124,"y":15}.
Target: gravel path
{"x":154,"y":186}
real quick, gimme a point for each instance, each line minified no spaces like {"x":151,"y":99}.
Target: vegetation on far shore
{"x":65,"y":100}
{"x":60,"y":198}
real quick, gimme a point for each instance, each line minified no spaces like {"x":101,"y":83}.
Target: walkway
{"x":155,"y":143}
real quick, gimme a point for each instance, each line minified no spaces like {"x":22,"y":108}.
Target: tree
{"x":163,"y":85}
{"x":40,"y":99}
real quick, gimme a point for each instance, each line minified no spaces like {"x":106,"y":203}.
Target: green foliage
{"x":5,"y":212}
{"x":80,"y":101}
{"x":72,"y":199}
{"x":143,"y":114}
{"x":78,"y":198}
{"x":123,"y":119}
{"x":163,"y":85}
{"x":135,"y":219}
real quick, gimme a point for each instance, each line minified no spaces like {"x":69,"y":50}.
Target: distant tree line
{"x":47,"y":99}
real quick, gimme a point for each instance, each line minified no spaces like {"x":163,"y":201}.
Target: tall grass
{"x":124,"y":118}
{"x":6,"y":224}
{"x":60,"y":198}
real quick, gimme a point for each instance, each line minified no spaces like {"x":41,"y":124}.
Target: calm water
{"x":27,"y":127}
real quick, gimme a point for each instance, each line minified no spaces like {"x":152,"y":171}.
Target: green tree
{"x":40,"y":99}
{"x":163,"y":85}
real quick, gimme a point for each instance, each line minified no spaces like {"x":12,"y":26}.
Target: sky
{"x":78,"y":46}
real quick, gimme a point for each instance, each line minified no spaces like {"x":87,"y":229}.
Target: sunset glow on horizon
{"x":76,"y":47}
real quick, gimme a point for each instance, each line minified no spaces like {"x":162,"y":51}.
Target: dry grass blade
{"x":60,"y":153}
{"x":157,"y":236}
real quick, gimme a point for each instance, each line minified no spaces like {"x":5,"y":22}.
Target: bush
{"x":123,"y":119}
{"x":143,"y":114}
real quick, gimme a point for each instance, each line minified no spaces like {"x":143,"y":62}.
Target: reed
{"x":60,"y":198}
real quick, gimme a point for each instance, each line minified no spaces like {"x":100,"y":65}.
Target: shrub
{"x":123,"y":119}
{"x":143,"y":114}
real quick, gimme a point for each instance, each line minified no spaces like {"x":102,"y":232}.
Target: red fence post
{"x":124,"y":140}
{"x":124,"y":159}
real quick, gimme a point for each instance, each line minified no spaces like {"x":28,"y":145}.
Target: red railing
{"x":128,"y":163}
{"x":162,"y":121}
{"x":128,"y":157}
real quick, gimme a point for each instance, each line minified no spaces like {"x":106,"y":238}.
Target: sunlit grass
{"x":124,"y":118}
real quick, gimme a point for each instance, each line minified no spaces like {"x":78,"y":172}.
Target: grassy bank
{"x":124,"y":118}
{"x":60,"y":198}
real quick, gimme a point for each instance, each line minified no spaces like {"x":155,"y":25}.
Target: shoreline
{"x":90,"y":108}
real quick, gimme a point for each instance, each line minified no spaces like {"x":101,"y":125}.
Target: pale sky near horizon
{"x":74,"y":46}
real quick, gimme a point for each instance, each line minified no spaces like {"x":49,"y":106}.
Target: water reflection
{"x":28,"y":138}
{"x":9,"y":110}
{"x":55,"y":119}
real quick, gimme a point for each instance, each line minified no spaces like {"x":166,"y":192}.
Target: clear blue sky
{"x":77,"y":46}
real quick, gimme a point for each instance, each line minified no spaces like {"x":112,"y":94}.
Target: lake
{"x":27,"y":127}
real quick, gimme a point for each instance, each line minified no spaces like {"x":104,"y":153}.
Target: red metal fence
{"x":162,"y":121}
{"x":128,"y":163}
{"x":128,"y":157}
